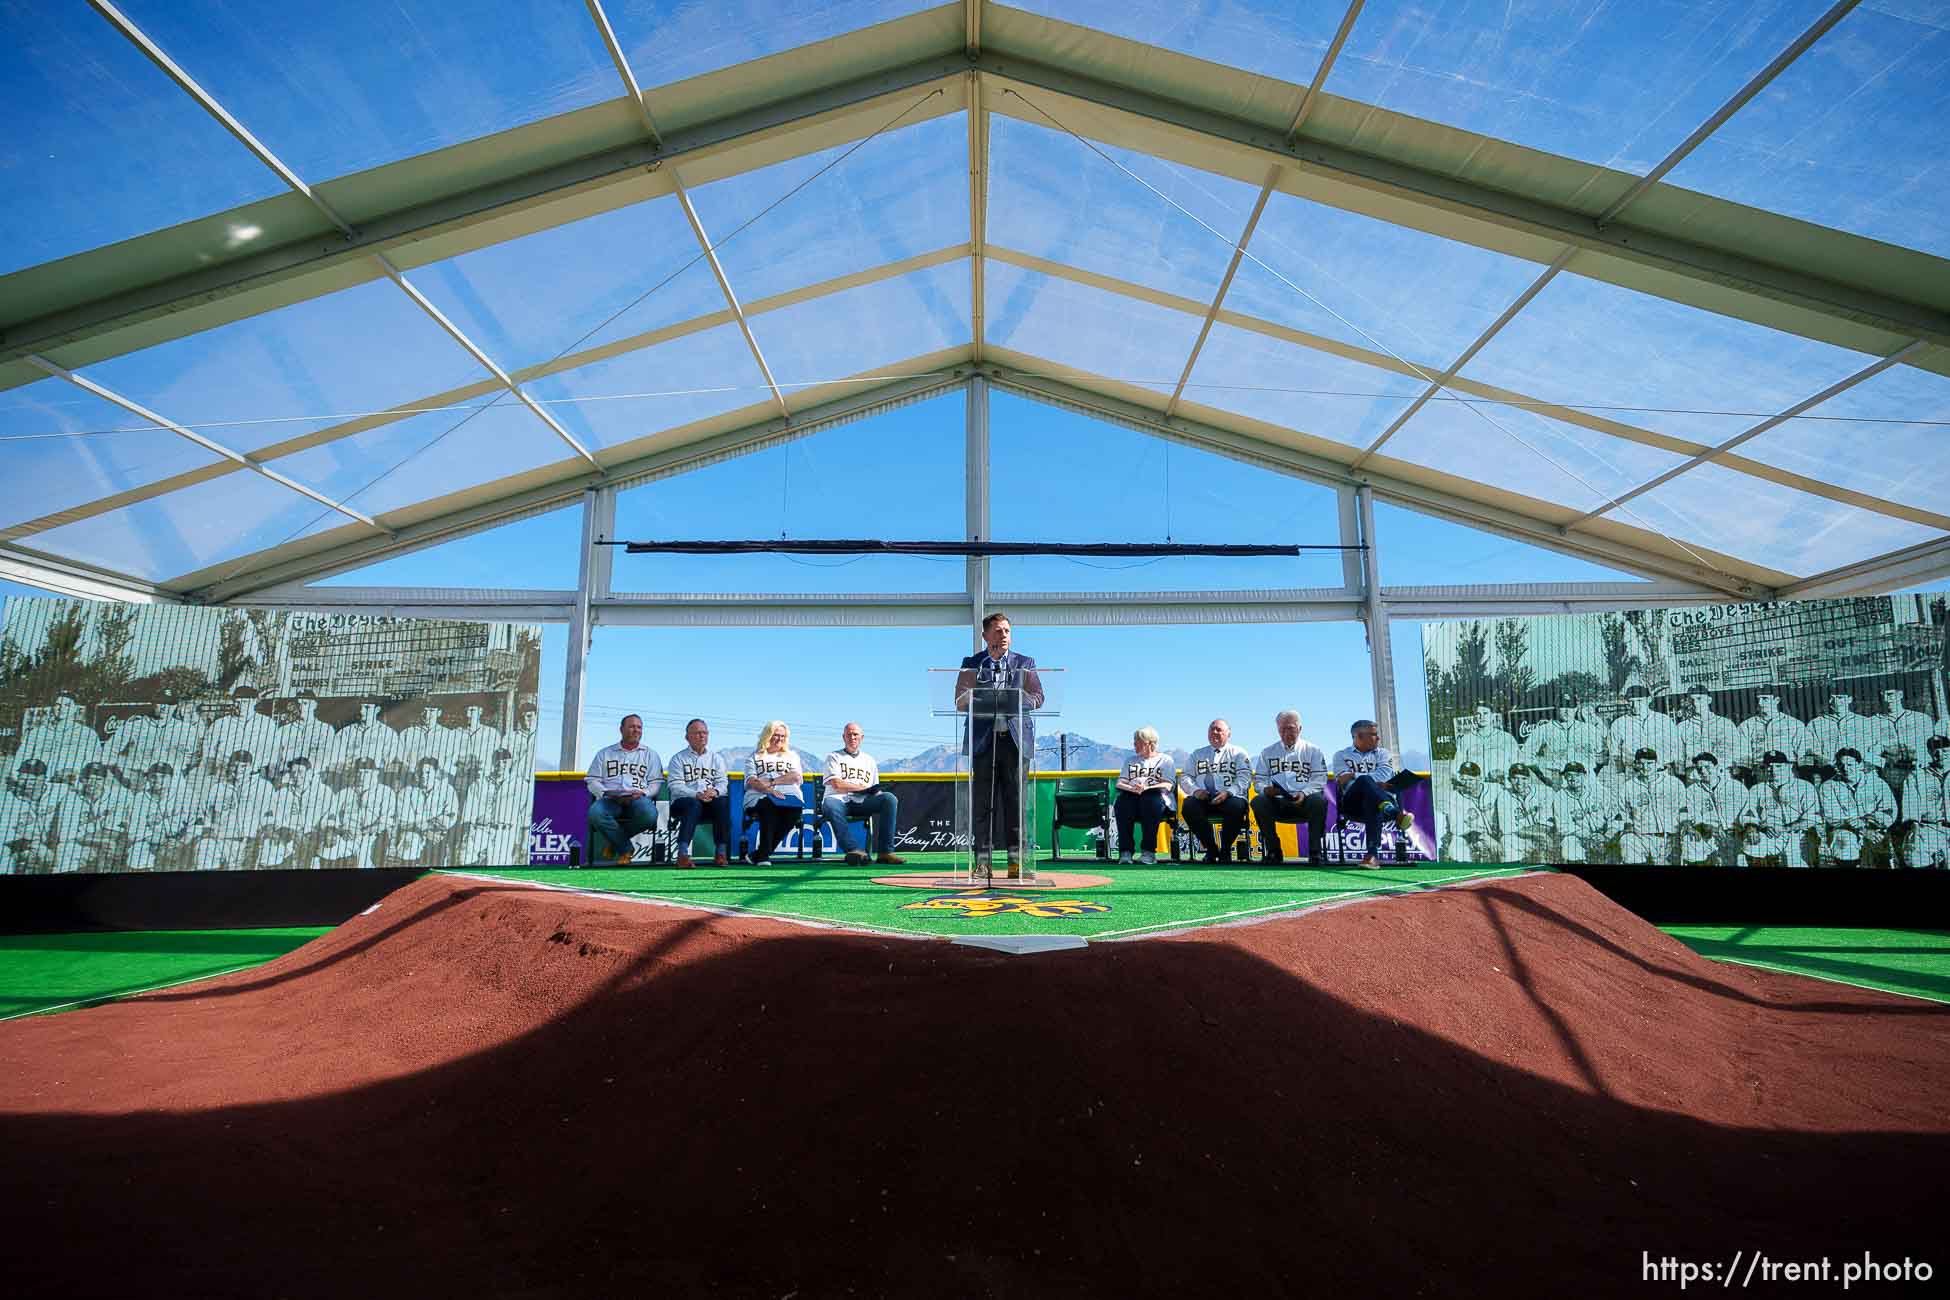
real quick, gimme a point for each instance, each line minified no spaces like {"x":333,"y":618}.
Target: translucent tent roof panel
{"x":426,"y":456}
{"x":653,"y":389}
{"x":1888,"y":436}
{"x":1298,"y":388}
{"x":1283,"y":40}
{"x":1421,"y":550}
{"x":1372,"y":284}
{"x":1652,"y":363}
{"x":850,"y":333}
{"x":830,"y":483}
{"x":672,"y":40}
{"x":339,"y":88}
{"x":1614,"y":85}
{"x":1767,"y":524}
{"x":1052,"y":196}
{"x":180,"y":532}
{"x":1520,"y":451}
{"x":834,"y":212}
{"x":1851,"y":135}
{"x":1107,"y":334}
{"x":538,"y":552}
{"x":64,"y":447}
{"x":576,"y":286}
{"x":104,"y":147}
{"x":1071,"y":478}
{"x":315,"y":363}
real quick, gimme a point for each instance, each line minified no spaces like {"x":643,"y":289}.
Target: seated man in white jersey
{"x":623,"y":781}
{"x":1926,"y":807}
{"x":1371,"y":782}
{"x":1292,"y":776}
{"x":1143,"y":797}
{"x":700,"y":787}
{"x":853,"y":794}
{"x":1218,"y":775}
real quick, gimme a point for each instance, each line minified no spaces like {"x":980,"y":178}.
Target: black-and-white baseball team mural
{"x":171,"y":738}
{"x":1796,"y":734}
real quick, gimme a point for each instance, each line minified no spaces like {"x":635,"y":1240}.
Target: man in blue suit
{"x":997,"y":754}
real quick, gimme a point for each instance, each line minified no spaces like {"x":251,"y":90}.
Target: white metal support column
{"x":1353,"y":574}
{"x":1381,"y":659}
{"x":592,"y":584}
{"x":976,"y":498}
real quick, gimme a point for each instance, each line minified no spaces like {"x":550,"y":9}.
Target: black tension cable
{"x":875,"y":546}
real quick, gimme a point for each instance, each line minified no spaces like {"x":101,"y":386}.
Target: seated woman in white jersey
{"x":774,"y":778}
{"x":1144,"y":797}
{"x":1370,"y":781}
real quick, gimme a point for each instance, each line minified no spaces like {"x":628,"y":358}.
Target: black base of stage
{"x":1895,"y":899}
{"x":191,"y":900}
{"x":240,"y":900}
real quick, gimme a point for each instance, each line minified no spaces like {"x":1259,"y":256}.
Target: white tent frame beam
{"x":84,"y":581}
{"x":853,"y":108}
{"x":214,"y":107}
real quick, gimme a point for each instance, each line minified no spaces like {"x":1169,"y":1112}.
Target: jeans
{"x":688,"y":811}
{"x":1367,"y":801}
{"x":882,"y":806}
{"x":1275,"y":806}
{"x":619,"y":821}
{"x":1231,"y":810}
{"x":1147,"y":810}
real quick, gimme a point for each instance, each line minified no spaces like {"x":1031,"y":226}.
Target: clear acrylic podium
{"x":995,"y":748}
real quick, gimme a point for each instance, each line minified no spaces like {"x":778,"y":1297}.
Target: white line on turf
{"x":117,"y":997}
{"x":684,"y":904}
{"x":1830,"y":979}
{"x":1296,"y":906}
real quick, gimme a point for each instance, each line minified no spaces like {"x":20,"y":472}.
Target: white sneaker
{"x":1124,"y":859}
{"x":1148,"y":858}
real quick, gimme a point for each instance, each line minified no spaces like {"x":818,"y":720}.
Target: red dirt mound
{"x":484,"y":1089}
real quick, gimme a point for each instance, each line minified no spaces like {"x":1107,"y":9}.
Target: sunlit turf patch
{"x":50,"y":972}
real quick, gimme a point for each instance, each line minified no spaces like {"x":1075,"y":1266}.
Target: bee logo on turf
{"x":978,"y":904}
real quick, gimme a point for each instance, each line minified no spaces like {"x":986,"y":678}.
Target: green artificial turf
{"x":1140,"y":900}
{"x":58,"y":972}
{"x":1916,"y":962}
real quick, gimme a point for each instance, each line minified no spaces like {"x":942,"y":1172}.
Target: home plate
{"x":1044,"y":880}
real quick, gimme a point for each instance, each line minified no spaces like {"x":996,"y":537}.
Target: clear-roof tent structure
{"x":1665,"y":289}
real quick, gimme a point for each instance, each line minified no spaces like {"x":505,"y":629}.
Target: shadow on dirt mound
{"x":479,"y":1089}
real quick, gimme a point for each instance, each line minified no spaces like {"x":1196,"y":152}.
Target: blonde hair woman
{"x":774,"y":787}
{"x":1144,"y":796}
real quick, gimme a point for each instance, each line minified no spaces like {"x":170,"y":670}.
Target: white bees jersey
{"x":859,"y":769}
{"x":692,"y":773}
{"x":1300,"y":770}
{"x":1229,"y":770}
{"x":617,"y":769}
{"x":1378,"y":763}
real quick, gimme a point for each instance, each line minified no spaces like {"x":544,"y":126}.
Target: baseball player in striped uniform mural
{"x":63,"y":743}
{"x":1902,"y":734}
{"x":1642,"y":729}
{"x":1926,"y":806}
{"x":1292,"y":775}
{"x":1655,"y":803}
{"x":1781,"y":813}
{"x":162,"y":819}
{"x":1713,"y":804}
{"x":1589,"y":817}
{"x":303,"y":735}
{"x":92,"y":831}
{"x":1533,"y":815}
{"x":1858,"y":808}
{"x":298,"y":815}
{"x":1702,"y":731}
{"x":494,"y":812}
{"x":1488,"y":745}
{"x":1217,"y":777}
{"x":1566,"y":738}
{"x":245,"y":730}
{"x":1771,"y":731}
{"x":1480,"y":826}
{"x":29,"y":809}
{"x":1840,"y":727}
